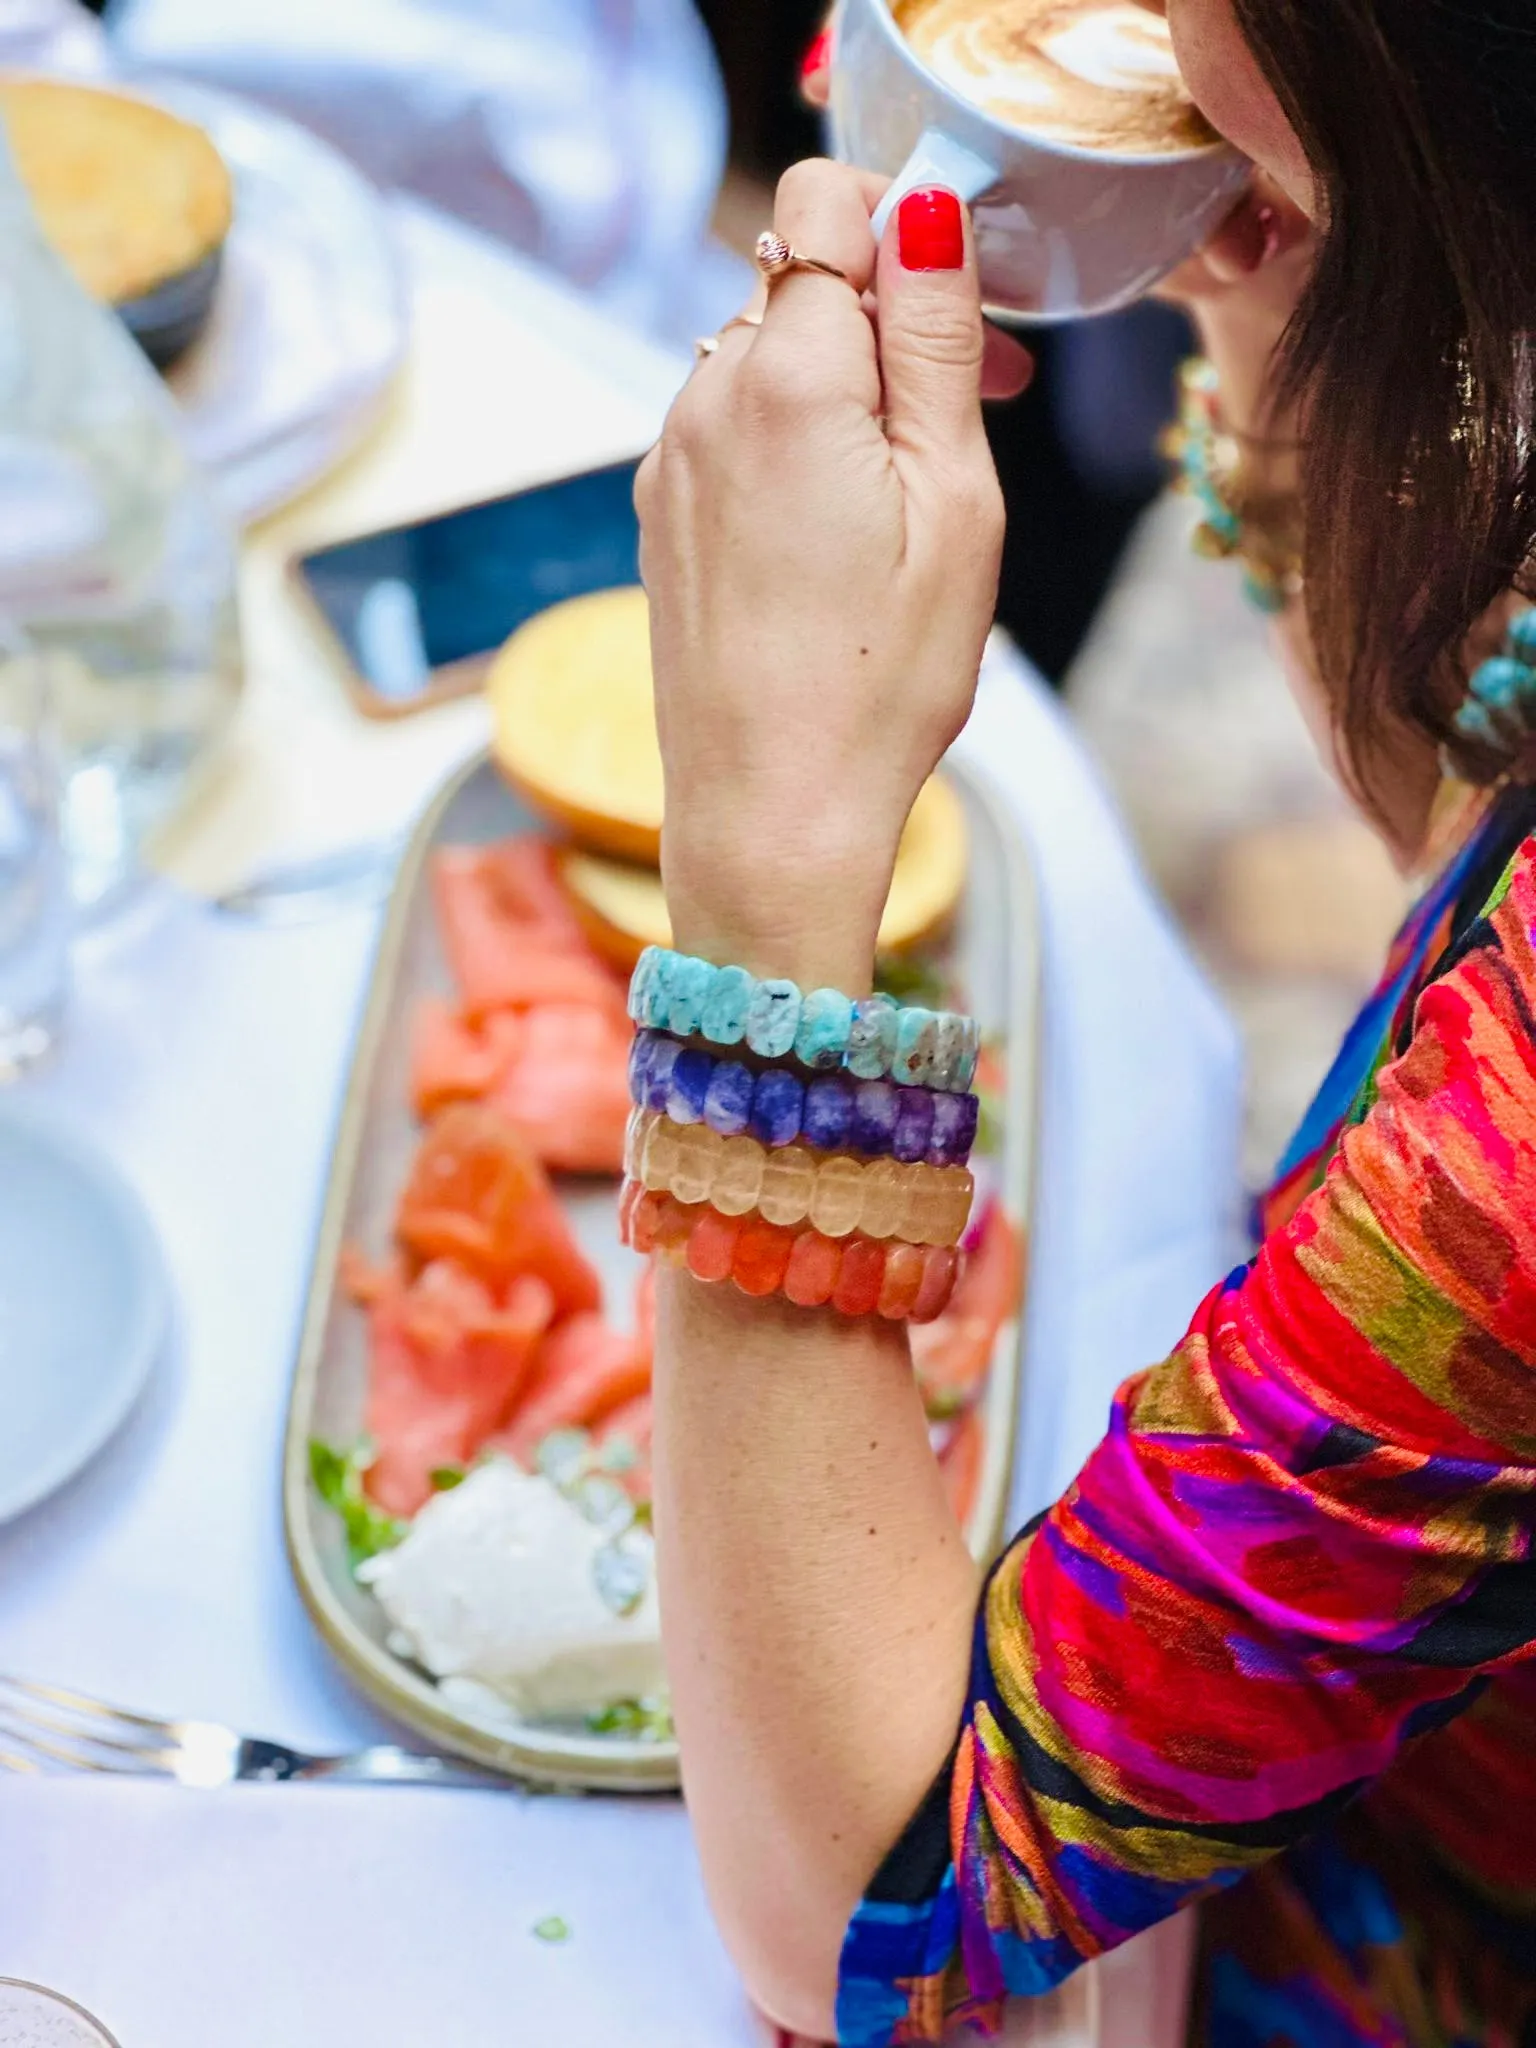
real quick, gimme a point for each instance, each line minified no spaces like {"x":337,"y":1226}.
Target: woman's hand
{"x":821,"y":526}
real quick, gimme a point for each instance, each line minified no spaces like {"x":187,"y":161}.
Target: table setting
{"x":209,"y":1821}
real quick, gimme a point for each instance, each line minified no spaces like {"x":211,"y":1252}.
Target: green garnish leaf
{"x":646,"y":1720}
{"x":551,"y":1928}
{"x":445,"y":1478}
{"x":338,"y":1478}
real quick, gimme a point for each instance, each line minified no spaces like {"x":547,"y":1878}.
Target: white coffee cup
{"x":1061,"y":231}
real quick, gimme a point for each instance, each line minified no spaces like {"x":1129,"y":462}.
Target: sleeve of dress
{"x":1301,"y":1543}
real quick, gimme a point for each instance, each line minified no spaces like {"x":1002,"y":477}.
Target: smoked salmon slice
{"x":504,"y":962}
{"x":584,"y":1371}
{"x":478,"y":1195}
{"x":567,"y":1092}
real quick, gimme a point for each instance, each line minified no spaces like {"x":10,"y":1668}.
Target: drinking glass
{"x":36,"y":911}
{"x":33,"y":2017}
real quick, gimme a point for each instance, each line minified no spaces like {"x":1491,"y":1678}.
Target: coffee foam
{"x":1099,"y":74}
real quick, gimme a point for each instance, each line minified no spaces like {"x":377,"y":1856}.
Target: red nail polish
{"x":931,"y":230}
{"x":817,"y":57}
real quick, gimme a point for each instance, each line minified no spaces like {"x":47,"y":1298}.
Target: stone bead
{"x":761,"y":1256}
{"x":778,"y":1101}
{"x":640,"y":1055}
{"x":1474,"y":721}
{"x":723,"y":1020}
{"x":859,"y":1278}
{"x":712,"y":1246}
{"x":941,"y":1264}
{"x":629,"y":1197}
{"x":640,"y":984}
{"x":948,"y":1042}
{"x":688,"y":1086}
{"x":789,"y":1180}
{"x":872,"y":1038}
{"x":838,"y":1199}
{"x":914,"y":1123}
{"x":696,"y":1163}
{"x":1521,"y":637}
{"x":959,"y":1200}
{"x":885,"y":1196}
{"x":739,"y":1176}
{"x":1501,"y":682}
{"x":814,"y":1264}
{"x":964,"y":1071}
{"x":688,"y":986}
{"x":951,"y":1140}
{"x":917,"y":1034}
{"x":901,"y":1282}
{"x":728,"y":1099}
{"x":664,"y":1057}
{"x":674,"y":1226}
{"x":643,"y":1224}
{"x":634,"y":1144}
{"x":827,"y":1118}
{"x":822,"y":1036}
{"x":658,"y":992}
{"x":659,"y":1159}
{"x":920,"y":1210}
{"x":773,"y":1018}
{"x":874,"y":1116}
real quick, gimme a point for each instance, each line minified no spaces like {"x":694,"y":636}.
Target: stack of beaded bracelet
{"x":846,"y":1185}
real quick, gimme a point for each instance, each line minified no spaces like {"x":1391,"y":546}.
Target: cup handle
{"x":937,"y":160}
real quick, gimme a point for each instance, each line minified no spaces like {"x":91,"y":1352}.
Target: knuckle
{"x":947,"y":335}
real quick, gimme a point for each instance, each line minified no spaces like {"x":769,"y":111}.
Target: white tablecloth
{"x":207,"y":1059}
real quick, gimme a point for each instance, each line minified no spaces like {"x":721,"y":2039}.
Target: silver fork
{"x":42,"y":1725}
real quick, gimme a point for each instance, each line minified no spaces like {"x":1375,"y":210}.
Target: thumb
{"x":931,"y":335}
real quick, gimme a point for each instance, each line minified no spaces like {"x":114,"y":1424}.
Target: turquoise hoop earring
{"x":1502,"y":687}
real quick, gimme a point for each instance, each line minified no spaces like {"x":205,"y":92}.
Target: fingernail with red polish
{"x":931,"y":230}
{"x":817,"y":57}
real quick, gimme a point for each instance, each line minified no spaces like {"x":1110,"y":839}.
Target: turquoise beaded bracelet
{"x":874,"y":1038}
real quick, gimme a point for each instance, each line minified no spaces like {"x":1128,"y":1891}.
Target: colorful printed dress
{"x":1275,"y":1649}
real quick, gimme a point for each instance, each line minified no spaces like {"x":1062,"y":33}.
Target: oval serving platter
{"x":994,"y":950}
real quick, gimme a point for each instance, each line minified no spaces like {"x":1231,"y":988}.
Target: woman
{"x":1272,"y":1652}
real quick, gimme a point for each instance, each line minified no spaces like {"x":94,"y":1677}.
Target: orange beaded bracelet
{"x":791,"y":1184}
{"x":855,"y":1275}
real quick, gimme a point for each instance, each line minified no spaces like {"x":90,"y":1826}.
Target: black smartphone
{"x":418,"y":610}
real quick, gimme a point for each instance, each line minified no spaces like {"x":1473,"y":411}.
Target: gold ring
{"x":776,"y":259}
{"x":707,"y":344}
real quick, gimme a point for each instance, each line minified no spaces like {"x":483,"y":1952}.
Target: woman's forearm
{"x":818,"y":1601}
{"x":817,"y":1594}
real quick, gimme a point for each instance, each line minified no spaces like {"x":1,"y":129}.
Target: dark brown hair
{"x":1411,"y":355}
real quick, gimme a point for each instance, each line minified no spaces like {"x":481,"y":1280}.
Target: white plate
{"x":309,"y":323}
{"x":83,"y":1304}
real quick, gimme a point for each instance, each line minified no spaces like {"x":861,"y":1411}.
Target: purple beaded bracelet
{"x":833,"y":1112}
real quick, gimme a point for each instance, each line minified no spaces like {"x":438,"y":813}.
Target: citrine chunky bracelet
{"x":836,"y":1194}
{"x":854,"y":1275}
{"x":873,"y":1038}
{"x":833,"y":1112}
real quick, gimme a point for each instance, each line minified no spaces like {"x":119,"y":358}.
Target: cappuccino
{"x":1097,"y":74}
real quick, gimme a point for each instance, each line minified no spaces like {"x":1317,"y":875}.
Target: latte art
{"x":1099,"y":74}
